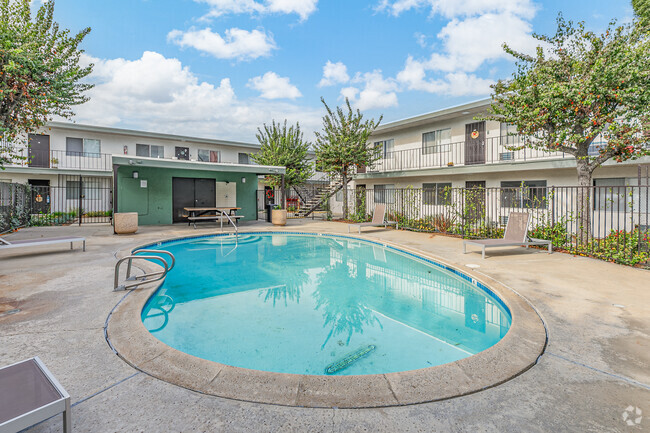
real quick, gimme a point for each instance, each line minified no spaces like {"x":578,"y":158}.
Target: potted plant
{"x":55,"y":162}
{"x":278,"y":216}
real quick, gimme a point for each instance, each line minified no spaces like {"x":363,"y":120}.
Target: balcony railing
{"x":493,"y":150}
{"x":61,"y":159}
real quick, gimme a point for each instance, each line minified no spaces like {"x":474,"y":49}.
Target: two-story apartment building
{"x":99,"y":170}
{"x":450,"y":148}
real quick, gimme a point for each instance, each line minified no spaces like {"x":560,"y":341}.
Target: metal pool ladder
{"x":136,"y":280}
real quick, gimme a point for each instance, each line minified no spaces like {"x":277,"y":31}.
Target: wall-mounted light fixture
{"x":243,"y":180}
{"x":135,"y":175}
{"x":227,"y":182}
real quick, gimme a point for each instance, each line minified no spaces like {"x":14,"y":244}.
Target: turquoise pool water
{"x":320,"y":305}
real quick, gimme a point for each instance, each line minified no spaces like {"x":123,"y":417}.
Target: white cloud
{"x":303,"y":8}
{"x":156,"y":93}
{"x":461,"y":8}
{"x":413,"y":76}
{"x":235,"y":44}
{"x":473,"y":41}
{"x":377,"y":92}
{"x":272,"y":86}
{"x":334,"y":73}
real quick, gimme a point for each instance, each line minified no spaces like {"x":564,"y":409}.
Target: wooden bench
{"x":220,"y":218}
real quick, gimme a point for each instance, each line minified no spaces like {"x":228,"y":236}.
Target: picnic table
{"x":198,"y":214}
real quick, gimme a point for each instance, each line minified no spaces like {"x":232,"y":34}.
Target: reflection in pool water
{"x":306,"y":304}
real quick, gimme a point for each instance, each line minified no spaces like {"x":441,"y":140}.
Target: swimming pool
{"x":319,"y":305}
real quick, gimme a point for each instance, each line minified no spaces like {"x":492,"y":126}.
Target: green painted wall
{"x":154,"y":203}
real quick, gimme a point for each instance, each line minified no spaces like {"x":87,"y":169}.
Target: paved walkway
{"x":54,"y":305}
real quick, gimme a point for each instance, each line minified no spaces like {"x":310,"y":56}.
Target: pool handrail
{"x":146,"y":277}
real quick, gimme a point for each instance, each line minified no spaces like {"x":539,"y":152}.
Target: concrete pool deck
{"x":596,"y":365}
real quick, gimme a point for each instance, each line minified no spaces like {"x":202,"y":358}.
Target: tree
{"x":286,"y":147}
{"x":342,"y":147}
{"x":642,"y":10}
{"x":40,"y":69}
{"x":578,"y":87}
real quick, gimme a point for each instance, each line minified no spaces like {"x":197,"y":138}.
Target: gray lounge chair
{"x":5,"y":244}
{"x":378,"y":219}
{"x":29,"y":394}
{"x":516,"y":234}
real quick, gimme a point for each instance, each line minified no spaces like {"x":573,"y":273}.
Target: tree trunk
{"x":584,"y":202}
{"x":345,"y":195}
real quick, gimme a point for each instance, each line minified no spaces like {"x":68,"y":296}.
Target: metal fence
{"x":76,"y":200}
{"x":608,"y":222}
{"x":297,"y":198}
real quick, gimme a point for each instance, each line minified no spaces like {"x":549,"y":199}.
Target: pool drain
{"x":349,"y":359}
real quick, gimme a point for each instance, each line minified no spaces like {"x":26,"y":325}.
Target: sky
{"x":222,"y":68}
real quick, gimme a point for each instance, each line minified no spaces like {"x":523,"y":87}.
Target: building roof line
{"x":147,"y":134}
{"x":434,"y":114}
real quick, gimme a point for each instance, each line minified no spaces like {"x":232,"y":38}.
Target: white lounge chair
{"x":5,"y":244}
{"x":516,"y":234}
{"x":378,"y":219}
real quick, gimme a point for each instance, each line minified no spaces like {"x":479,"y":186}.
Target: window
{"x":151,"y":151}
{"x":385,"y":193}
{"x":92,"y":147}
{"x":182,"y":153}
{"x":209,"y":155}
{"x":387,"y":146}
{"x":529,"y":194}
{"x":92,"y":189}
{"x":72,"y":189}
{"x":243,"y":158}
{"x":74,"y":146}
{"x":204,"y":155}
{"x":508,"y":133}
{"x":339,"y":195}
{"x":436,"y":193}
{"x":595,"y":146}
{"x":612,"y":198}
{"x":82,"y":147}
{"x":438,"y":141}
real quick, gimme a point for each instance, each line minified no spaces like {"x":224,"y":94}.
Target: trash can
{"x":269,"y":208}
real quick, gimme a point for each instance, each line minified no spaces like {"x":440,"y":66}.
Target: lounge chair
{"x":516,"y":234}
{"x":5,"y":244}
{"x":378,"y":219}
{"x":29,"y":394}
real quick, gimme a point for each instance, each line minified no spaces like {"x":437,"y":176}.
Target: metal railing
{"x":61,"y":159}
{"x":137,"y":280}
{"x":494,"y":150}
{"x":607,"y":222}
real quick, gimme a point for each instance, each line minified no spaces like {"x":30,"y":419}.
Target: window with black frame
{"x":610,"y":194}
{"x":436,"y":194}
{"x":529,"y":194}
{"x":438,"y":141}
{"x":385,"y":193}
{"x":182,"y":153}
{"x":387,"y":147}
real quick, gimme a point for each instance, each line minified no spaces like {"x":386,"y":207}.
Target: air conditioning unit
{"x":506,"y":156}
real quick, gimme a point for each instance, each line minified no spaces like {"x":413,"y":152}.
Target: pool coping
{"x":514,"y":354}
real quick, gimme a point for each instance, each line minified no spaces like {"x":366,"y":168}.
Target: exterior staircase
{"x":322,"y":194}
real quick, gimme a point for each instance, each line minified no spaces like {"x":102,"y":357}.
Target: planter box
{"x":125,"y":223}
{"x":279,"y":217}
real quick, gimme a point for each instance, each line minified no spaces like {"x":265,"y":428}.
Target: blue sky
{"x":221,"y":68}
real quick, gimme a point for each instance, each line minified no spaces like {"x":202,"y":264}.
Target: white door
{"x":226,"y":194}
